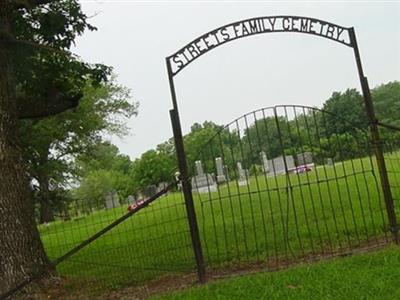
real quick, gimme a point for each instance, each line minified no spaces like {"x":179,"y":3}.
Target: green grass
{"x":363,"y":276}
{"x":328,"y":209}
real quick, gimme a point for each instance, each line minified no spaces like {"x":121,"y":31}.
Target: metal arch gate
{"x":296,"y":24}
{"x":287,"y":183}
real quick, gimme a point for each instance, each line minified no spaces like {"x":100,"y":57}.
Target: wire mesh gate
{"x":275,"y":186}
{"x":153,"y":242}
{"x":287,"y":183}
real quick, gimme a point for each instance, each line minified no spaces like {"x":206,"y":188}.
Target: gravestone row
{"x":204,"y":182}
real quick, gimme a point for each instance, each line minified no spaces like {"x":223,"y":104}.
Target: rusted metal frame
{"x":376,"y":140}
{"x":186,"y":187}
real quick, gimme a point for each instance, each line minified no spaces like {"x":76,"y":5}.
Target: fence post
{"x":187,"y":192}
{"x":186,"y":187}
{"x":376,"y":141}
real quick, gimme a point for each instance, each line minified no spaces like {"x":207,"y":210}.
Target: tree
{"x":204,"y":143}
{"x":102,"y":156}
{"x":168,"y":148}
{"x":386,"y":98}
{"x":51,"y":144}
{"x":97,"y":183}
{"x":101,"y":171}
{"x":264,"y":135}
{"x":152,"y":168}
{"x":347,"y":112}
{"x":39,"y":77}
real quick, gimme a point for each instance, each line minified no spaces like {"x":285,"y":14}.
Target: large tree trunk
{"x":21,"y":250}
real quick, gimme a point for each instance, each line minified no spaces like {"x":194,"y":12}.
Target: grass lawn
{"x":332,"y":208}
{"x":373,"y":275}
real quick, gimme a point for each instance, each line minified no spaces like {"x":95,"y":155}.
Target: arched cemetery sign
{"x":236,"y":30}
{"x":233,"y":31}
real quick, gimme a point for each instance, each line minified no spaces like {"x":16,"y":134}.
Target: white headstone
{"x":242,"y":174}
{"x":226,"y":172}
{"x":264,"y":161}
{"x":203,"y":182}
{"x":131,"y":199}
{"x":109,"y":202}
{"x":112,"y":200}
{"x":220,"y":170}
{"x":199,"y":168}
{"x":305,"y":158}
{"x":277,"y":165}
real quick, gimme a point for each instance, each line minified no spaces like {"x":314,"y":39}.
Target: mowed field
{"x":271,"y":221}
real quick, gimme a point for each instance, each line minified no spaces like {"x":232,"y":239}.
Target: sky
{"x":264,"y":70}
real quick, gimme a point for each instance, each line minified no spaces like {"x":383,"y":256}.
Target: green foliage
{"x":207,"y":141}
{"x":167,"y":148}
{"x":102,"y":155}
{"x":44,"y":34}
{"x":347,"y":106}
{"x":270,"y":135}
{"x":97,"y":183}
{"x":51,"y":145}
{"x":386,"y":98}
{"x":152,"y":168}
{"x":102,"y":170}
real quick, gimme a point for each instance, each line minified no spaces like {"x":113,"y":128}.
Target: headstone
{"x":226,"y":172}
{"x":243,"y":174}
{"x":220,"y":170}
{"x":277,"y":165}
{"x":305,"y":158}
{"x":131,"y":199}
{"x":203,"y":182}
{"x":112,"y":200}
{"x":116,"y":199}
{"x":199,"y":168}
{"x":109,"y":200}
{"x":149,"y":191}
{"x":161,"y":186}
{"x":329,"y":161}
{"x":264,"y":161}
{"x":213,"y":177}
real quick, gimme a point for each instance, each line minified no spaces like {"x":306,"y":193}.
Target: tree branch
{"x":29,"y":3}
{"x":54,"y":103}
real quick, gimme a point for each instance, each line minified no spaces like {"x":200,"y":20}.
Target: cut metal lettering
{"x":244,"y":28}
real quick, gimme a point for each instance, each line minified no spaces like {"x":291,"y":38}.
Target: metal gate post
{"x":376,"y":141}
{"x":186,"y":187}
